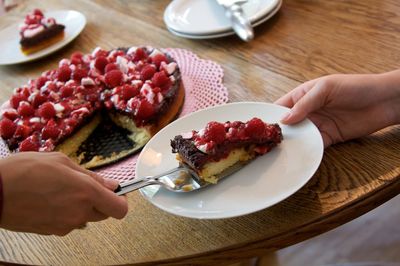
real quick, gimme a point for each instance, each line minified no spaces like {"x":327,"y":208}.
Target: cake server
{"x":240,"y":23}
{"x":180,"y":179}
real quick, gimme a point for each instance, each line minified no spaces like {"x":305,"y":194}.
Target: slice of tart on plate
{"x":211,"y":151}
{"x":38,"y":32}
{"x":96,"y":108}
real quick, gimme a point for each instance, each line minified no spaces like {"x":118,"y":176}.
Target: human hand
{"x":47,"y":193}
{"x":345,"y":107}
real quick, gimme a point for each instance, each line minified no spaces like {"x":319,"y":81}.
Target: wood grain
{"x":306,"y":39}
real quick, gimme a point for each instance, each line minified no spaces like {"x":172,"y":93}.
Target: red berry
{"x":139,"y":54}
{"x":100,"y":63}
{"x":214,"y":131}
{"x":11,"y":114}
{"x":144,"y":109}
{"x":64,"y":73}
{"x":100,"y":52}
{"x":160,"y":79}
{"x":79,"y":73}
{"x":128,"y":92}
{"x":38,"y":100}
{"x":47,"y":110}
{"x":25,"y":110}
{"x":158,"y":58}
{"x":109,"y":67}
{"x":29,"y":145}
{"x":50,"y":132}
{"x":38,"y":12}
{"x":113,"y":78}
{"x":66,"y":91}
{"x":147,"y":72}
{"x":40,"y":82}
{"x":16,"y":99}
{"x":7,"y":128}
{"x":22,"y":131}
{"x":255,"y":128}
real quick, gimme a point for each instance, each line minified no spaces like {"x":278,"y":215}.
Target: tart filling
{"x":217,"y":147}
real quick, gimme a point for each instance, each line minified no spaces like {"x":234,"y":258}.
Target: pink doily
{"x":202,"y":80}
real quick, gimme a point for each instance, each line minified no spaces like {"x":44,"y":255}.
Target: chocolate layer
{"x":42,"y":36}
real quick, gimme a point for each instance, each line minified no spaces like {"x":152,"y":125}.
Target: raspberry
{"x":160,"y":79}
{"x":100,"y":52}
{"x":113,"y":78}
{"x":7,"y":128}
{"x":100,"y":63}
{"x":147,"y":72}
{"x":40,"y":82}
{"x":139,"y":54}
{"x":37,"y":12}
{"x":66,"y":91}
{"x":79,"y":73}
{"x":16,"y":99}
{"x":109,"y":67}
{"x":64,"y":73}
{"x":50,"y":132}
{"x":158,"y":58}
{"x":144,"y":109}
{"x":47,"y":110}
{"x":129,"y":91}
{"x":29,"y":145}
{"x":25,"y":110}
{"x":214,"y":131}
{"x":76,"y":58}
{"x":11,"y":114}
{"x":255,"y":128}
{"x":38,"y":100}
{"x":22,"y":131}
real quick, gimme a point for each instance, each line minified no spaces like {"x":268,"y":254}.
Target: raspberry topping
{"x":161,"y":80}
{"x":113,"y":78}
{"x":79,"y":73}
{"x":158,"y":58}
{"x":109,"y":67}
{"x":128,"y":92}
{"x":64,"y":73}
{"x":144,"y":109}
{"x":16,"y":99}
{"x":29,"y":145}
{"x":255,"y":128}
{"x":214,"y":131}
{"x":100,"y":63}
{"x":147,"y":72}
{"x":7,"y":128}
{"x":47,"y":110}
{"x":25,"y":110}
{"x":51,"y":131}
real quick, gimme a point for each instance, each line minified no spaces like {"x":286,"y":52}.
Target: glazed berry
{"x":113,"y":78}
{"x":144,"y":109}
{"x":38,"y":99}
{"x":160,"y":79}
{"x":140,"y":54}
{"x":25,"y":110}
{"x":147,"y":72}
{"x":158,"y":58}
{"x":38,"y":12}
{"x":29,"y":145}
{"x":22,"y":131}
{"x":11,"y":114}
{"x":79,"y":73}
{"x":16,"y":99}
{"x":255,"y":128}
{"x":7,"y":128}
{"x":100,"y":63}
{"x":109,"y":67}
{"x":214,"y":131}
{"x":51,"y":132}
{"x":40,"y":82}
{"x":64,"y":73}
{"x":47,"y":110}
{"x":66,"y":91}
{"x":76,"y":58}
{"x":128,"y":92}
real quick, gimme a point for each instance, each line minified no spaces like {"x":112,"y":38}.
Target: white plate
{"x":204,"y":17}
{"x":226,"y":33}
{"x":264,"y":182}
{"x":9,"y":37}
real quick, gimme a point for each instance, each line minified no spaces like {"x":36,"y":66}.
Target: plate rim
{"x":212,"y":216}
{"x":54,"y":47}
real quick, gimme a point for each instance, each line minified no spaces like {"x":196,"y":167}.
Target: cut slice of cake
{"x":219,"y":146}
{"x":38,"y":32}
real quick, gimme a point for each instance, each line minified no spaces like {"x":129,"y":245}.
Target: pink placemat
{"x":202,"y":80}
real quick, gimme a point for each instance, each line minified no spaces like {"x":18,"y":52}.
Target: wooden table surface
{"x":304,"y":40}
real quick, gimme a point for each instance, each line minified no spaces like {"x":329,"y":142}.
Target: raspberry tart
{"x":213,"y":150}
{"x":79,"y":106}
{"x":38,"y":32}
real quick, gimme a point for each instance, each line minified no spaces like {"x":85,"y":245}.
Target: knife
{"x":240,"y":23}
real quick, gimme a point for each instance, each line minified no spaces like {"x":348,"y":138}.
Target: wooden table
{"x":305,"y":40}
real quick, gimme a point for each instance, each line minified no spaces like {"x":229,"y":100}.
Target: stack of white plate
{"x":205,"y":19}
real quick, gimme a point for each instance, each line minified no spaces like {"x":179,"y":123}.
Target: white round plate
{"x":9,"y":37}
{"x":204,"y":17}
{"x":264,"y":182}
{"x":226,"y":33}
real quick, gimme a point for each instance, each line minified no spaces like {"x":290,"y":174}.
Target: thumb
{"x":313,"y":100}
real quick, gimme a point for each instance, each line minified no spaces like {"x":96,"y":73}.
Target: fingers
{"x":108,"y":203}
{"x":293,"y":96}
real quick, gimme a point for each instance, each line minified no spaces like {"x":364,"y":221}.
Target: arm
{"x":47,"y":193}
{"x":345,"y":107}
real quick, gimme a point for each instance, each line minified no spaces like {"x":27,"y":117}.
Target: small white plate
{"x":205,"y":17}
{"x":264,"y":182}
{"x":229,"y":32}
{"x":9,"y":37}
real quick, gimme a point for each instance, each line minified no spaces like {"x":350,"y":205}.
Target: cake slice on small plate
{"x":218,"y":147}
{"x":38,"y":32}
